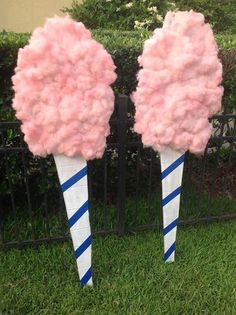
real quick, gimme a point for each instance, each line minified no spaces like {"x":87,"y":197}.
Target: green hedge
{"x":125,"y":48}
{"x":9,"y":45}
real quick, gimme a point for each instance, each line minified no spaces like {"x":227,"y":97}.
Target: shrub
{"x":148,"y":14}
{"x":120,"y":14}
{"x":9,"y":44}
{"x":228,"y":58}
{"x":226,"y":41}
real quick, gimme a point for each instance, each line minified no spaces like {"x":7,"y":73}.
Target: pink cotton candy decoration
{"x":62,"y":91}
{"x":178,"y":85}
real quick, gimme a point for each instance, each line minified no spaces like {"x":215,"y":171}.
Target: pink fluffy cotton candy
{"x":62,"y":90}
{"x":178,"y":85}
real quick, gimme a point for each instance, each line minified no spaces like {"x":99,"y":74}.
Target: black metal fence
{"x":124,"y":187}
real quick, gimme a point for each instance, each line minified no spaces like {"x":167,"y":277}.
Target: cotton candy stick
{"x":172,"y":163}
{"x":178,"y":90}
{"x":64,"y":100}
{"x":72,"y":173}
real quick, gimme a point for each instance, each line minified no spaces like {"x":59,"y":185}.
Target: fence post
{"x":122,"y":103}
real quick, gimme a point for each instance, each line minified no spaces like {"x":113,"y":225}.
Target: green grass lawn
{"x":129,"y":276}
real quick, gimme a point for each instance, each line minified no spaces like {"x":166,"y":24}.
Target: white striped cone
{"x":172,"y":163}
{"x":72,"y":173}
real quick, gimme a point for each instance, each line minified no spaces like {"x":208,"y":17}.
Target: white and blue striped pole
{"x":72,"y":173}
{"x":172,"y":163}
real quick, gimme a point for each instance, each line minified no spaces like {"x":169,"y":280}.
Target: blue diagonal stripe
{"x":171,"y":196}
{"x":86,"y":277}
{"x":171,"y":226}
{"x":172,"y":167}
{"x":169,"y":251}
{"x":82,"y":248}
{"x":78,"y":214}
{"x":74,"y":179}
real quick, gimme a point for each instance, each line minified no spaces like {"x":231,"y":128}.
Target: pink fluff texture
{"x":178,"y":85}
{"x":62,"y":91}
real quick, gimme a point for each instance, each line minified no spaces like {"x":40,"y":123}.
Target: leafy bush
{"x":226,"y":41}
{"x":120,"y":14}
{"x":9,"y":44}
{"x":228,"y":58}
{"x":148,"y":14}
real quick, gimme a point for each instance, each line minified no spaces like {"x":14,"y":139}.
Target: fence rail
{"x":124,"y":187}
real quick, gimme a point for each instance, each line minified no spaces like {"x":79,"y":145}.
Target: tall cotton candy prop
{"x":64,"y":100}
{"x":178,"y":90}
